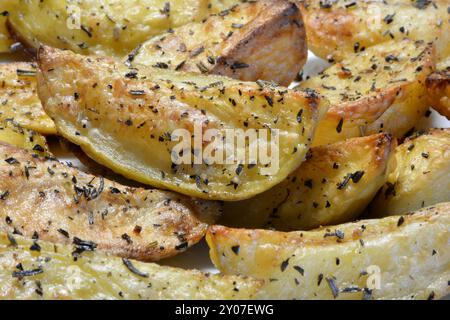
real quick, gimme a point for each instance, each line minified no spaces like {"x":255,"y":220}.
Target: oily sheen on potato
{"x":398,"y":257}
{"x":107,"y":27}
{"x":44,"y":199}
{"x":380,"y":89}
{"x":263,"y":40}
{"x":129,"y":119}
{"x":334,"y":185}
{"x":53,"y":274}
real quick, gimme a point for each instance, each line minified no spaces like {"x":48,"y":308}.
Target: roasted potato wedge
{"x":419,"y":175}
{"x":334,"y":185}
{"x":13,"y":134}
{"x":438,"y":85}
{"x":52,"y":273}
{"x":336,"y":29}
{"x":380,"y":89}
{"x":43,"y":198}
{"x":128,"y":120}
{"x":256,"y":40}
{"x":406,"y":256}
{"x":19,"y":100}
{"x":5,"y":38}
{"x":110,"y":27}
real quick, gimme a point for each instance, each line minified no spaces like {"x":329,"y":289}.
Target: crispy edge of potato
{"x":20,"y":96}
{"x":394,"y":109}
{"x":299,"y":113}
{"x":268,"y":44}
{"x":13,"y":134}
{"x":418,"y":175}
{"x":334,"y":185}
{"x":52,"y":273}
{"x":335,"y":32}
{"x":100,"y":210}
{"x":438,"y":86}
{"x":409,"y":253}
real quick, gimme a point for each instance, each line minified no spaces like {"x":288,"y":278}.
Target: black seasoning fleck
{"x":235,"y":249}
{"x":334,"y":289}
{"x":299,"y":270}
{"x":127,"y":238}
{"x":133,"y":269}
{"x":401,"y":220}
{"x":299,"y":116}
{"x":319,"y":279}
{"x":284,"y":265}
{"x":11,"y":160}
{"x":239,"y":65}
{"x":35,"y":247}
{"x":64,"y":233}
{"x":339,"y":126}
{"x":27,"y":273}
{"x":181,"y":246}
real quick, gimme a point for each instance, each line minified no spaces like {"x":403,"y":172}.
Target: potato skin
{"x":418,"y":175}
{"x":334,"y":185}
{"x":438,"y":86}
{"x":96,"y":276}
{"x":109,"y":27}
{"x":19,"y":100}
{"x":94,"y":105}
{"x":380,"y":89}
{"x":344,"y":27}
{"x":411,"y":252}
{"x":44,"y":198}
{"x":258,"y":40}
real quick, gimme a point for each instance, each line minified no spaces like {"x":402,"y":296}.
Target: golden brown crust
{"x":257,"y":40}
{"x":403,"y":257}
{"x":19,"y":100}
{"x":94,"y":105}
{"x":54,"y":202}
{"x":380,"y":89}
{"x":334,"y":185}
{"x":418,"y":175}
{"x":337,"y":29}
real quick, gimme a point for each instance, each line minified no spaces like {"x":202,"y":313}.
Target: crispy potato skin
{"x":419,"y":175}
{"x":13,"y":134}
{"x":411,"y":253}
{"x":19,"y":100}
{"x":111,"y":27}
{"x":92,"y":103}
{"x":96,"y":276}
{"x":438,"y":85}
{"x":261,"y":40}
{"x":337,"y":32}
{"x":320,"y":192}
{"x":43,"y":196}
{"x":380,"y":89}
